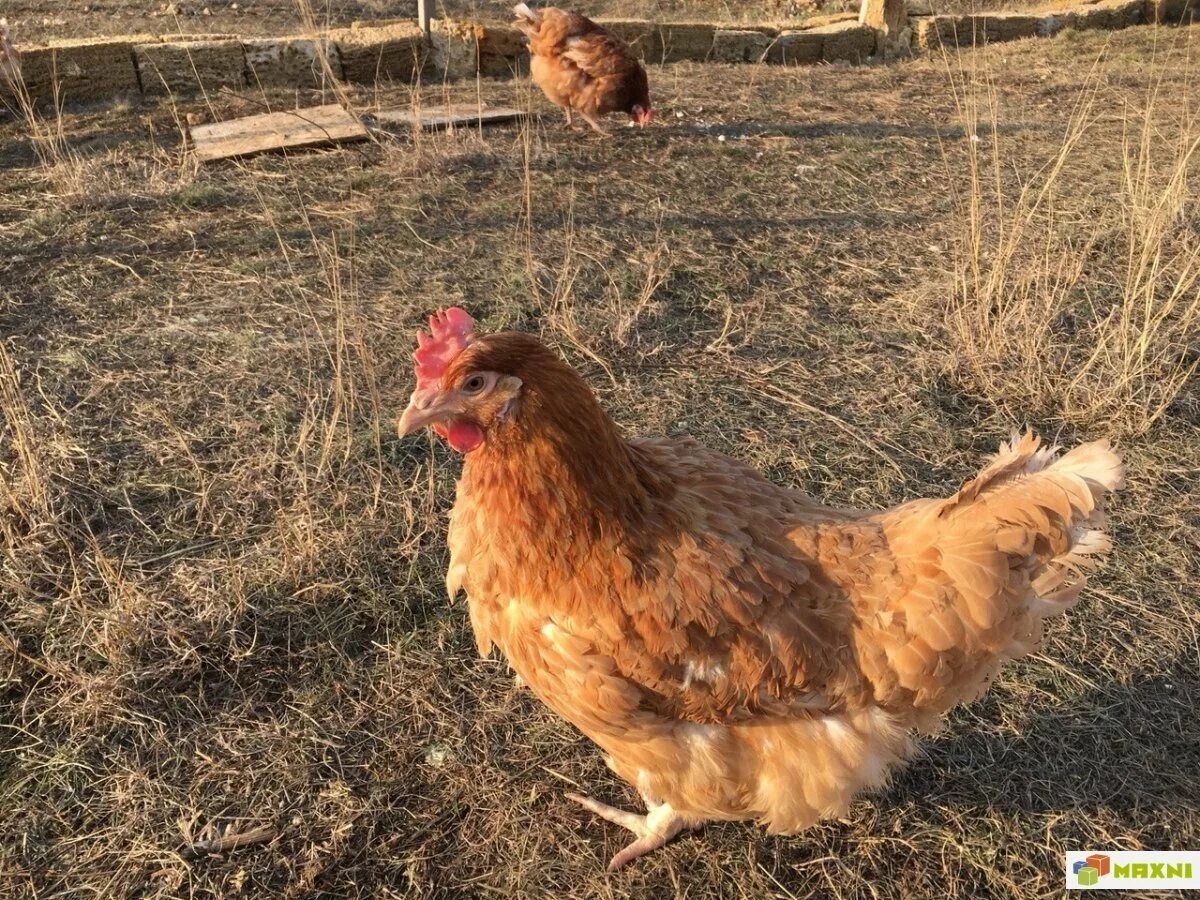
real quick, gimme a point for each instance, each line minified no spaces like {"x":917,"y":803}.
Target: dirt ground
{"x":42,"y":20}
{"x":221,"y":603}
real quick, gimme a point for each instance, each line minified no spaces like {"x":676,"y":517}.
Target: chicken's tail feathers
{"x":528,"y":21}
{"x":1047,"y":511}
{"x":978,"y":573}
{"x":1025,"y":454}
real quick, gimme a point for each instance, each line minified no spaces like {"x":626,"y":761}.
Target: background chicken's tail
{"x":528,"y":22}
{"x":974,"y":576}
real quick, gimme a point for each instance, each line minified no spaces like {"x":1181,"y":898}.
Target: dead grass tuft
{"x":1093,"y":319}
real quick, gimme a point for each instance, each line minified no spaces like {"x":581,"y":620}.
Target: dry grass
{"x":62,"y":166}
{"x":221,"y":613}
{"x":70,"y":177}
{"x":1092,"y":321}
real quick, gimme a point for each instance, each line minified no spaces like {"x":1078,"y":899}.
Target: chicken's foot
{"x":653,"y":830}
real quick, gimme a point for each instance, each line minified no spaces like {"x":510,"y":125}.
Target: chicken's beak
{"x":423,"y":410}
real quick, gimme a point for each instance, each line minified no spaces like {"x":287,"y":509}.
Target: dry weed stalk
{"x":319,"y":33}
{"x":23,"y":489}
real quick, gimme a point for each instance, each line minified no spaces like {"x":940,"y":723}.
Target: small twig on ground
{"x":232,"y":840}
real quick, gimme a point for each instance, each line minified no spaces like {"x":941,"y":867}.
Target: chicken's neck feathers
{"x":563,"y":472}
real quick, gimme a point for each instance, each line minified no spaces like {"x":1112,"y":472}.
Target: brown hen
{"x":583,"y":67}
{"x":738,"y":650}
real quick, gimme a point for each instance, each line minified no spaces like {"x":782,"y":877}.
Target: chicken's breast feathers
{"x":710,"y":609}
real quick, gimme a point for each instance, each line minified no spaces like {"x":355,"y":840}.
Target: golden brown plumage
{"x":583,"y":67}
{"x":736,"y":649}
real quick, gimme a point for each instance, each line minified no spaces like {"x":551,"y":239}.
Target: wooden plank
{"x":311,"y":127}
{"x":449,"y":116}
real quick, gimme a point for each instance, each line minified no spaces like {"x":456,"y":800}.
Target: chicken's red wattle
{"x":464,"y":436}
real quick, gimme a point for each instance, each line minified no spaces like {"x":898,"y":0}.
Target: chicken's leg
{"x":653,"y":830}
{"x":570,"y":121}
{"x":591,"y":121}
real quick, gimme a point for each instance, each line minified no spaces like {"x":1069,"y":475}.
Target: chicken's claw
{"x":653,"y":830}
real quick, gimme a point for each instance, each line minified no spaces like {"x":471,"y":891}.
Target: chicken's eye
{"x":474,"y":384}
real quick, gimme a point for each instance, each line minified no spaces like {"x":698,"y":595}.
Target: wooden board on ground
{"x":449,"y":116}
{"x":311,"y":127}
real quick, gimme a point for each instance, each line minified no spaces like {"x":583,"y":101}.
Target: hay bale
{"x":502,"y":51}
{"x":291,"y":61}
{"x":82,"y":69}
{"x":846,"y":42}
{"x":186,"y":66}
{"x":739,"y":46}
{"x":797,"y":48}
{"x":368,"y":55}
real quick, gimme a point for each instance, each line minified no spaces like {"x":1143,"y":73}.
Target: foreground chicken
{"x":736,"y":649}
{"x":582,"y":67}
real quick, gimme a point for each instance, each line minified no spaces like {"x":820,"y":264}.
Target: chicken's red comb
{"x":450,"y":330}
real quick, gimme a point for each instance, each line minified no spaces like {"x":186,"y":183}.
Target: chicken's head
{"x":461,"y":402}
{"x":642,"y":115}
{"x":637,"y":98}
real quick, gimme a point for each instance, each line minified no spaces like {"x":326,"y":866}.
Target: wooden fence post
{"x":424,"y":13}
{"x":889,"y":18}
